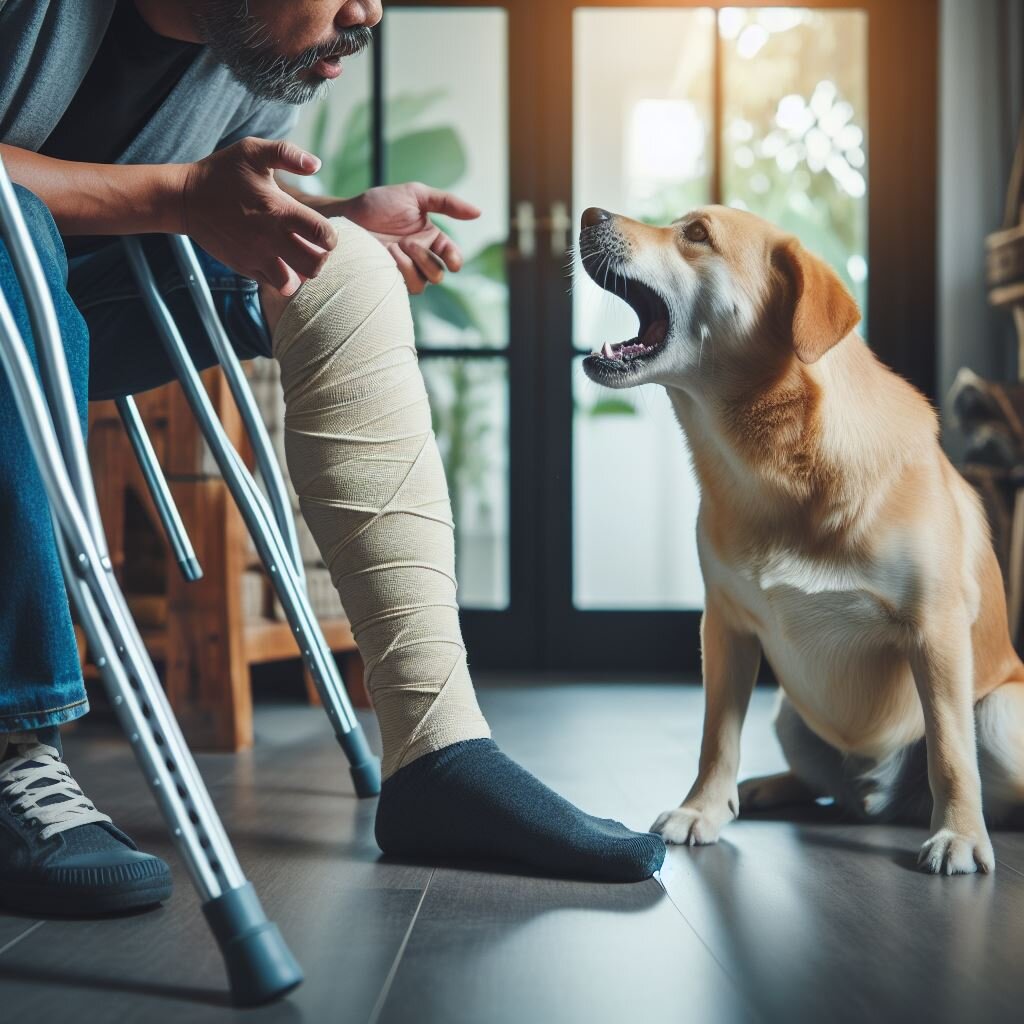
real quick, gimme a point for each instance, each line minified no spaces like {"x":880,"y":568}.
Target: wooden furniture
{"x":198,"y":632}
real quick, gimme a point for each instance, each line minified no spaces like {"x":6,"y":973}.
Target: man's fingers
{"x":275,"y":273}
{"x":311,"y":226}
{"x":278,"y":154}
{"x":447,"y":251}
{"x":306,"y":259}
{"x":437,"y":201}
{"x":429,"y":265}
{"x":414,"y":280}
{"x":292,"y":281}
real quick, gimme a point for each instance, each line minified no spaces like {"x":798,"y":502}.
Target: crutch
{"x":259,"y":964}
{"x":156,"y":482}
{"x":263,"y":522}
{"x":238,"y":384}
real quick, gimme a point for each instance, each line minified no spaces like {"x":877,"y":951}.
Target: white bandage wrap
{"x":365,"y":464}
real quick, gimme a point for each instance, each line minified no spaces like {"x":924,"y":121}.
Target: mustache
{"x":346,"y":43}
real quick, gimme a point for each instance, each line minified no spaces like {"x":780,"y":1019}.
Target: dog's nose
{"x":594,"y":215}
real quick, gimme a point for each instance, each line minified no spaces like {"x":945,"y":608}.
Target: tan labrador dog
{"x":834,"y":537}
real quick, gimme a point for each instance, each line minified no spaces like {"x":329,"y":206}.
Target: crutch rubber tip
{"x":366,"y":777}
{"x":191,"y":570}
{"x":364,"y":766}
{"x":260,"y":965}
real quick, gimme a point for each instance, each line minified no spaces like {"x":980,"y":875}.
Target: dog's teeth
{"x":607,"y":351}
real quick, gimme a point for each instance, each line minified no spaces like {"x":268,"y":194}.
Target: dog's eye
{"x":695,"y":232}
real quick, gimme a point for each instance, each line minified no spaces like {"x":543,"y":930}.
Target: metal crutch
{"x":238,"y":383}
{"x":364,"y":766}
{"x":259,"y":964}
{"x":156,"y":482}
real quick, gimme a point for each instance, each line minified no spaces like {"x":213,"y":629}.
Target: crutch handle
{"x":260,"y":965}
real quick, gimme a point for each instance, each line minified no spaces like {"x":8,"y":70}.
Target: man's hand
{"x":398,"y":215}
{"x":234,"y":209}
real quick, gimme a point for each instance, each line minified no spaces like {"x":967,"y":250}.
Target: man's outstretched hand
{"x":399,"y":217}
{"x":234,"y":208}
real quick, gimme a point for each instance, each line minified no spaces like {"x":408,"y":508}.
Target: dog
{"x":835,"y":539}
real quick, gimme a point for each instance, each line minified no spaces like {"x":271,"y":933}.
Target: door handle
{"x":560,"y":224}
{"x":524,"y":228}
{"x":525,"y":225}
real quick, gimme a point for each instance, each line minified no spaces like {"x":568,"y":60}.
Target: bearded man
{"x":150,"y":117}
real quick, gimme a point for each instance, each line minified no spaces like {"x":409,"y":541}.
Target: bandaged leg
{"x":370,"y":481}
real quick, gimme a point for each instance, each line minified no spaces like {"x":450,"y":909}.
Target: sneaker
{"x":58,"y":854}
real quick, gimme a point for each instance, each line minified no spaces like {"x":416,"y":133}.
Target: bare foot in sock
{"x":470,"y":801}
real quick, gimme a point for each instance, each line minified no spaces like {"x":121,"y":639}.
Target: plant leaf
{"x":433,"y":155}
{"x":448,"y":305}
{"x":402,"y":111}
{"x":489,"y":262}
{"x":612,"y":407}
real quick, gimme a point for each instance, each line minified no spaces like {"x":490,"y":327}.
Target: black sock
{"x":470,"y":801}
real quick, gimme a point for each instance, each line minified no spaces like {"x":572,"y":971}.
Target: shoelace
{"x":39,"y":786}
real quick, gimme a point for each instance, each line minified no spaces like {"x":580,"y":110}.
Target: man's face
{"x":286,"y":51}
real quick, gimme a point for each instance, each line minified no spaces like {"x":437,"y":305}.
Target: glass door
{"x":654,"y":108}
{"x":576,"y":507}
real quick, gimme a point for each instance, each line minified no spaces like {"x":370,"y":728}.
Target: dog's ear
{"x":818,"y":309}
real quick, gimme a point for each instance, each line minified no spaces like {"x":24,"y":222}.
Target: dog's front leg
{"x":942,"y":663}
{"x":731,"y":660}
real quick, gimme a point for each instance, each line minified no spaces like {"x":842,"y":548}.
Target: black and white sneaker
{"x":58,"y":854}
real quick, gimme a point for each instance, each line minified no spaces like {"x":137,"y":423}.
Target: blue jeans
{"x":112,"y":349}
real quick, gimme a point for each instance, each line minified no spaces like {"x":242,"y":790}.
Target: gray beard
{"x":243,"y":44}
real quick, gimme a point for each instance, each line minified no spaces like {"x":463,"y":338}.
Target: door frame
{"x":508,"y":639}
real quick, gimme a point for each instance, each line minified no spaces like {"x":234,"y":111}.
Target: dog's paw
{"x":686,"y":826}
{"x":952,"y":853}
{"x":768,"y":791}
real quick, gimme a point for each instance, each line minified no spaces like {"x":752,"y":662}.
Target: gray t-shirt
{"x":46,"y":48}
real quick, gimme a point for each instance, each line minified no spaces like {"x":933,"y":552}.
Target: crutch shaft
{"x":163,"y":501}
{"x":53,"y":369}
{"x":263,"y":449}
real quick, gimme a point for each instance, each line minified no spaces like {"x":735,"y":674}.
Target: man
{"x":150,"y":117}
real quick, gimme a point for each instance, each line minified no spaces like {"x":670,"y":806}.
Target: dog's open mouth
{"x":652,"y":310}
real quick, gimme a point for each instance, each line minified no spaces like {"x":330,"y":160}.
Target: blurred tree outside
{"x":793,"y":144}
{"x":793,"y":141}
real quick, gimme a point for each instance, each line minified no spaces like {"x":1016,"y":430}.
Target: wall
{"x":981,"y":87}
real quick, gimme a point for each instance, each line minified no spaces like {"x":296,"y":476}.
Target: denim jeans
{"x":112,"y":349}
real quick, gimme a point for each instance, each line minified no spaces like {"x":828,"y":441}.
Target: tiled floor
{"x":812,"y":920}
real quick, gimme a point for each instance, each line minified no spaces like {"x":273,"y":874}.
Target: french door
{"x":575,"y":506}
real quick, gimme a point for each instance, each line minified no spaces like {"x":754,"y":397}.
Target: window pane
{"x":795,"y":122}
{"x":469,"y":402}
{"x":337,"y":129}
{"x":641,"y":123}
{"x":446,"y":123}
{"x":634,"y":501}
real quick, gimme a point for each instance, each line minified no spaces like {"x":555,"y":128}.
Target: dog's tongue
{"x":656,"y":333}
